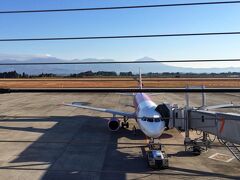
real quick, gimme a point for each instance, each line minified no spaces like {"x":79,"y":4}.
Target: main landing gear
{"x":156,"y":156}
{"x":125,"y":124}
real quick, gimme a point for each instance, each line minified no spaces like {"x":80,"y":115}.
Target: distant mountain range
{"x":73,"y":68}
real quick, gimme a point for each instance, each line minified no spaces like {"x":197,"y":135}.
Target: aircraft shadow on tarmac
{"x":81,"y":147}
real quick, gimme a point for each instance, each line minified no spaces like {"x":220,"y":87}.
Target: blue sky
{"x":191,"y":19}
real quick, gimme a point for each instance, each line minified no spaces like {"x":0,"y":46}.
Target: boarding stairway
{"x":233,"y":149}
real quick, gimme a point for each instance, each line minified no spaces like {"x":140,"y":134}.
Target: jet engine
{"x":113,"y":124}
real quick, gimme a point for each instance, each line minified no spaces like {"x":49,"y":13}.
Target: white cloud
{"x":22,"y":57}
{"x":223,"y":64}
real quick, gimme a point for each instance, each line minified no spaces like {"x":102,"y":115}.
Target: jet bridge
{"x":225,"y":126}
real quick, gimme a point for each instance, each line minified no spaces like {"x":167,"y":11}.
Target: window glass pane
{"x":157,"y":119}
{"x":150,"y":119}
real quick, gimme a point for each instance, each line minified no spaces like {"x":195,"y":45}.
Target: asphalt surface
{"x":42,"y":139}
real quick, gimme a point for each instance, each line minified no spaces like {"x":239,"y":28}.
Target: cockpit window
{"x":144,"y":119}
{"x":157,"y":119}
{"x":151,"y":119}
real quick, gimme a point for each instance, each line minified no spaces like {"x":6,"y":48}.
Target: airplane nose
{"x":154,"y":134}
{"x":156,"y":130}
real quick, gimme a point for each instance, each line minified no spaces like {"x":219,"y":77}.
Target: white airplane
{"x":149,"y":120}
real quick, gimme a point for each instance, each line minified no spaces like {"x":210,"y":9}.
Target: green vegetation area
{"x":14,"y":74}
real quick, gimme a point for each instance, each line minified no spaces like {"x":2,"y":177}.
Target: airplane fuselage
{"x":148,"y":119}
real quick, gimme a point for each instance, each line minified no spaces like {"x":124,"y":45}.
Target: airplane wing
{"x":133,"y":94}
{"x":126,"y":94}
{"x":111,"y":111}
